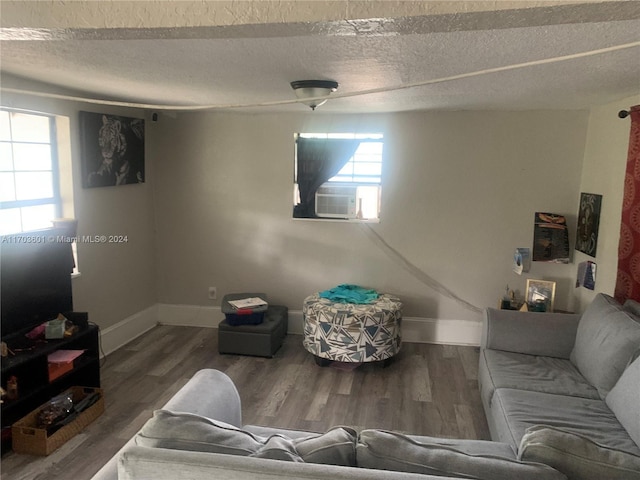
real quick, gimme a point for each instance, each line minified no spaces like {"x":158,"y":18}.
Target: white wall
{"x":117,"y":280}
{"x":603,"y":173}
{"x":459,"y":195}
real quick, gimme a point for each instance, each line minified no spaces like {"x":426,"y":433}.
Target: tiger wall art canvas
{"x":112,"y":150}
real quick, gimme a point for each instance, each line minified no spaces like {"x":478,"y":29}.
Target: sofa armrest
{"x":534,"y":333}
{"x":209,"y":393}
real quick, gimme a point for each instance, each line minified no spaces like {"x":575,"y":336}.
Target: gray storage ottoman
{"x":261,"y":340}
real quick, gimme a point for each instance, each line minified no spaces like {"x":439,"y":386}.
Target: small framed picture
{"x":540,"y":295}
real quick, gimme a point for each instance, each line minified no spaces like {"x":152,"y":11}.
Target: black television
{"x":35,"y":278}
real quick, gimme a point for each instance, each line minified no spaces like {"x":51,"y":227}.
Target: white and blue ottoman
{"x":352,"y":332}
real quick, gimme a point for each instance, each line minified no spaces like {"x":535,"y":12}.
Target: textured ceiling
{"x":435,"y":58}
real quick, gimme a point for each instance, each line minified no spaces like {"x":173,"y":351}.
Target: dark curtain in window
{"x":318,"y":160}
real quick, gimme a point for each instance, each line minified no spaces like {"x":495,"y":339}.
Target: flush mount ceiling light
{"x":312,"y":89}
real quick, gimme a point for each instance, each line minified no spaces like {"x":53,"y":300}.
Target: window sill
{"x":337,"y":220}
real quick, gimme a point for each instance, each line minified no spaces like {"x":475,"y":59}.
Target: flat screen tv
{"x":35,"y":279}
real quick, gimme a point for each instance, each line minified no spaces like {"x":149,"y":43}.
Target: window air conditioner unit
{"x":337,"y":201}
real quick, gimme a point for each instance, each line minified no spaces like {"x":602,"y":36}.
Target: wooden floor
{"x":427,"y":390}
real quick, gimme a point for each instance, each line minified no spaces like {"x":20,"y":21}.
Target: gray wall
{"x":460,"y":190}
{"x":603,"y":173}
{"x":459,"y":194}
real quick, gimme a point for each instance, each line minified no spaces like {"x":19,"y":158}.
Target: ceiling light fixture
{"x":311,"y":91}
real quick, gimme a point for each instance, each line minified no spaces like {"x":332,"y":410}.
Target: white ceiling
{"x":219,"y":66}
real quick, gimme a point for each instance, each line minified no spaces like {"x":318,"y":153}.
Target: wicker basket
{"x":28,"y":438}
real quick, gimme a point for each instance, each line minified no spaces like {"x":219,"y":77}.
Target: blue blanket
{"x":349,"y":294}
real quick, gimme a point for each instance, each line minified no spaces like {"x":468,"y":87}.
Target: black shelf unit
{"x":30,"y":367}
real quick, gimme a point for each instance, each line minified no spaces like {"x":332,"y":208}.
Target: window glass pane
{"x":370,"y":148}
{"x":7,"y":187}
{"x":6,"y":164}
{"x":31,"y":185}
{"x":36,"y":218}
{"x":10,"y":221}
{"x":5,"y":131}
{"x":29,"y":128}
{"x":29,"y":156}
{"x":367,"y":168}
{"x":368,"y":179}
{"x":368,"y":201}
{"x":347,"y":169}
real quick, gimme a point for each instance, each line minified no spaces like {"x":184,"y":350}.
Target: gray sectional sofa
{"x":565,"y":389}
{"x":561,"y":394}
{"x":198,"y":436}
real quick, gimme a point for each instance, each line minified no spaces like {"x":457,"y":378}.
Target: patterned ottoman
{"x":349,"y":332}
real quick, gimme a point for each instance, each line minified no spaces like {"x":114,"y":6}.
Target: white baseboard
{"x":123,"y":332}
{"x":414,"y":329}
{"x":189,"y":315}
{"x":448,"y":332}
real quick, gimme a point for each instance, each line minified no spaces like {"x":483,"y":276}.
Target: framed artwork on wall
{"x":540,"y":295}
{"x":588,"y":223}
{"x":112,"y":150}
{"x":550,"y":238}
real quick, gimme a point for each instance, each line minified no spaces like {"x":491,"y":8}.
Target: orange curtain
{"x":628,"y":281}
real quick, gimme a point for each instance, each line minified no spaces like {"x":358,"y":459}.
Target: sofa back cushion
{"x":633,"y":307}
{"x":186,"y":431}
{"x":624,"y":400}
{"x":606,"y":340}
{"x":576,"y":456}
{"x":475,"y":459}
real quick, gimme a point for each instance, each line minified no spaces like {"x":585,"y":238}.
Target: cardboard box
{"x":58,"y":369}
{"x":61,"y":362}
{"x":28,"y":438}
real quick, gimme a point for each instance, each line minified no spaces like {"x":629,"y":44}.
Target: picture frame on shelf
{"x":540,"y":295}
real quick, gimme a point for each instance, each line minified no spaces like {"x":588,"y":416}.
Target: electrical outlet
{"x":213,"y":293}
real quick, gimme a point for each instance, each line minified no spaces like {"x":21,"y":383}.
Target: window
{"x":338,"y":175}
{"x":29,"y":187}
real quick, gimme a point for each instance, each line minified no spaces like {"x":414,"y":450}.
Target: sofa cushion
{"x":633,"y":307}
{"x":261,"y":431}
{"x":277,"y":448}
{"x":335,"y":447}
{"x":535,"y":333}
{"x":576,"y":456}
{"x":606,"y":340}
{"x":624,"y":400}
{"x":535,"y":373}
{"x":383,"y":450}
{"x":514,"y":411}
{"x":188,"y":431}
{"x":185,"y":431}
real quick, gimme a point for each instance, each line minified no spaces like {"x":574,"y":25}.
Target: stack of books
{"x":248,"y":303}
